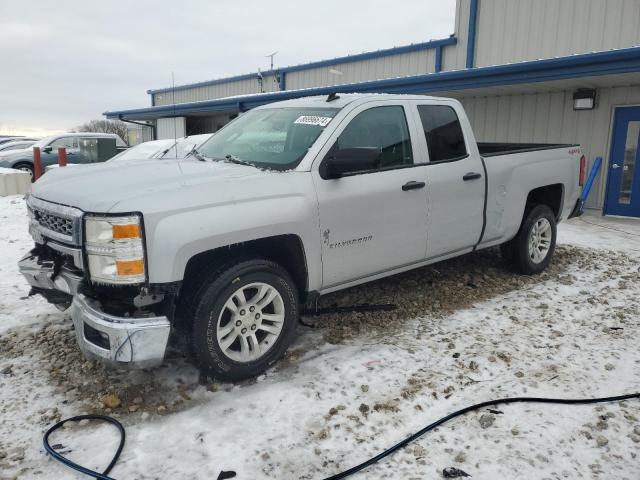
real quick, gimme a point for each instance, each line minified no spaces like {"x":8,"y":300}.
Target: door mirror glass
{"x":47,"y":149}
{"x":349,"y":160}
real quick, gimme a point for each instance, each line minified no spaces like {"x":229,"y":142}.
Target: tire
{"x":533,"y":246}
{"x":223,"y":342}
{"x":26,"y":167}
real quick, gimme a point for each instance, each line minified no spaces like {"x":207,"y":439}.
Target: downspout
{"x":471,"y":33}
{"x":151,"y":126}
{"x":438,"y":59}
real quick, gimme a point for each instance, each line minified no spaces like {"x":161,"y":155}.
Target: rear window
{"x":443,"y":133}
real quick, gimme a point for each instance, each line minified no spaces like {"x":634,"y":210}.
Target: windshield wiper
{"x":234,"y":159}
{"x":197,"y":154}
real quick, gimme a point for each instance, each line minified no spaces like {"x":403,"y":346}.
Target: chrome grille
{"x":54,"y":223}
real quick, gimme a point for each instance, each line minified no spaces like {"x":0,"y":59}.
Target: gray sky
{"x":67,"y":61}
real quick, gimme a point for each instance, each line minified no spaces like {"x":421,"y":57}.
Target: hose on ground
{"x":347,"y":473}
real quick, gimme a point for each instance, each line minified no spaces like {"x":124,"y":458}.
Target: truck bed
{"x":493,"y":149}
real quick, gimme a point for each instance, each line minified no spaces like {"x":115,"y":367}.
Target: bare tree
{"x":105,"y":126}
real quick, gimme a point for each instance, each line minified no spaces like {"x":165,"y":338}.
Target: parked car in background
{"x":23,"y":159}
{"x":144,"y":150}
{"x":168,"y":148}
{"x":13,"y":138}
{"x":16,"y":145}
{"x":185,"y":145}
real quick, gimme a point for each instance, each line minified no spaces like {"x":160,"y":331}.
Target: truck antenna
{"x":173,"y":100}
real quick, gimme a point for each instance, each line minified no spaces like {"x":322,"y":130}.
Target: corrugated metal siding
{"x":166,"y":128}
{"x":211,"y":124}
{"x":220,"y":90}
{"x":454,"y":57}
{"x":402,"y":65}
{"x":517,"y":30}
{"x":550,"y":118}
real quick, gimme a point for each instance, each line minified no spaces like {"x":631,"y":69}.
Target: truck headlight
{"x":114,"y":247}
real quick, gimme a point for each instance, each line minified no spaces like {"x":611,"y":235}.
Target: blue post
{"x":438,"y":58}
{"x":595,"y":168}
{"x":579,"y":208}
{"x":471,"y":33}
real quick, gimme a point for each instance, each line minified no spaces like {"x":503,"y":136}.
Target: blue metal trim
{"x":439,"y":58}
{"x":283,"y":81}
{"x":471,"y":33}
{"x":414,"y":47}
{"x":591,"y":64}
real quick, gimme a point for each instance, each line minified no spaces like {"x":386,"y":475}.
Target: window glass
{"x":443,"y":132}
{"x":382,"y":128}
{"x":67,"y":142}
{"x":275,"y":138}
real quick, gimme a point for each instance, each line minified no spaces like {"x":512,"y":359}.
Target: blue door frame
{"x":623,"y":181}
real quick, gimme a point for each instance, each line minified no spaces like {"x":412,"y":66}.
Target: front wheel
{"x":531,"y":250}
{"x":244,"y":318}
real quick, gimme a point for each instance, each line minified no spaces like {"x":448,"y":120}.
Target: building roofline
{"x":414,"y":47}
{"x":582,"y":65}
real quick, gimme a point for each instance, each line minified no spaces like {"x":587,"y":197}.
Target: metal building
{"x":526,"y":71}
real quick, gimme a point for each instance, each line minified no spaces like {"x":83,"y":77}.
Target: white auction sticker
{"x":313,"y":120}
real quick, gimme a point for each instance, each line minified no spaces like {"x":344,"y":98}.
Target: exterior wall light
{"x":584,"y":99}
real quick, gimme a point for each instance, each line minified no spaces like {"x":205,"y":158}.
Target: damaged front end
{"x":125,"y":324}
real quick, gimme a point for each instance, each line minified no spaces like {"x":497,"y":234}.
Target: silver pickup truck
{"x":290,"y":201}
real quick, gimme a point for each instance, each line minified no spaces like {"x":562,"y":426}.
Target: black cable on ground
{"x":79,"y":468}
{"x":352,"y":470}
{"x":477,"y":406}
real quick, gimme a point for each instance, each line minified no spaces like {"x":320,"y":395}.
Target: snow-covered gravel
{"x":465,"y":330}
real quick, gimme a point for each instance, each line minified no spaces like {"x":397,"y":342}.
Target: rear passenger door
{"x":455,"y":179}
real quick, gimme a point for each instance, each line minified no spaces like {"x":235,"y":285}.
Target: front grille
{"x":55,"y":223}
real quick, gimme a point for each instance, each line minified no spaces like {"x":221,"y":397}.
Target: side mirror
{"x":349,"y":160}
{"x":47,"y":149}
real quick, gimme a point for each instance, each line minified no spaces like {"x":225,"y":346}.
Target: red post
{"x":37,"y":164}
{"x":62,"y":157}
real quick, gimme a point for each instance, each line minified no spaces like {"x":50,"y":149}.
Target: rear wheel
{"x":26,"y":167}
{"x":533,"y":247}
{"x":244,"y":318}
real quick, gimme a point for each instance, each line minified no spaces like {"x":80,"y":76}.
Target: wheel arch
{"x":550,"y":195}
{"x":287,"y":250}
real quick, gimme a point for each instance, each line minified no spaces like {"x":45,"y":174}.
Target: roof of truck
{"x":342,"y":99}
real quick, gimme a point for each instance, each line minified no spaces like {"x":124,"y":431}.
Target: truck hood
{"x":101,"y":187}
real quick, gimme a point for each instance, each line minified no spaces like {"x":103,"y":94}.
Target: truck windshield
{"x":275,"y":138}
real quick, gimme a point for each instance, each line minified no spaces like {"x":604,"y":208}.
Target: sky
{"x":66,"y":62}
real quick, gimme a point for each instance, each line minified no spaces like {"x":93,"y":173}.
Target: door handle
{"x":412,"y":186}
{"x":615,"y":165}
{"x":471,"y":176}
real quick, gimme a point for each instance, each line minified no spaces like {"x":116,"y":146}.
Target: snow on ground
{"x":465,"y":331}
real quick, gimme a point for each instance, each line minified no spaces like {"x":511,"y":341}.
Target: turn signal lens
{"x":127,"y":268}
{"x":122,"y":232}
{"x":115,"y":249}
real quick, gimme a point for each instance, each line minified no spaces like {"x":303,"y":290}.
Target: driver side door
{"x":372,"y":221}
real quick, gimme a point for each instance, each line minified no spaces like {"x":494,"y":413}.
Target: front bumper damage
{"x":122,"y":340}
